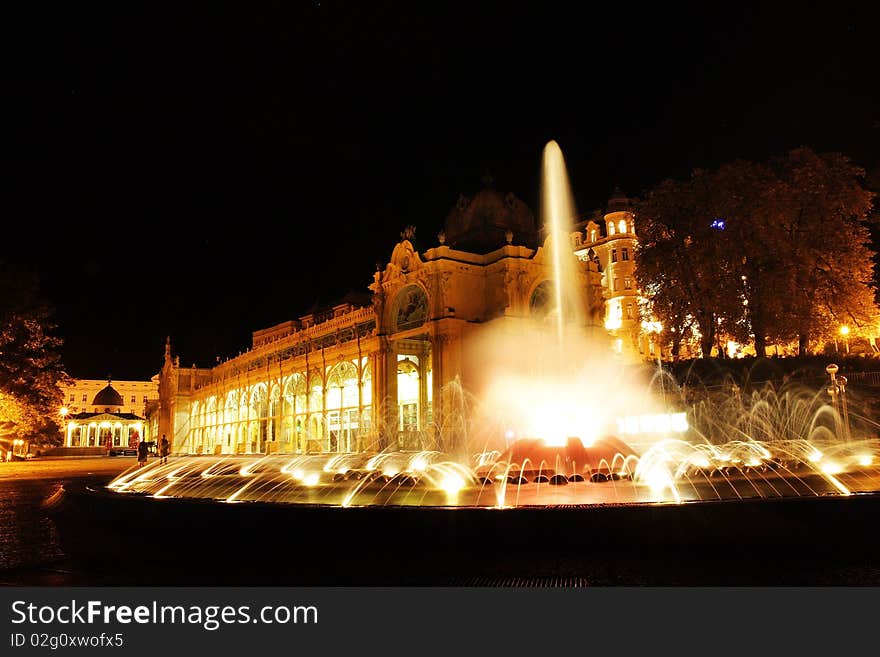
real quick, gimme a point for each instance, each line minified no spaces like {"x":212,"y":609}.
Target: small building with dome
{"x":113,"y":416}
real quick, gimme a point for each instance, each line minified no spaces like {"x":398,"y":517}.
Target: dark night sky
{"x":206,"y":172}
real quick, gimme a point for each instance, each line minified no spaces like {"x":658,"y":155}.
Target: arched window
{"x":342,"y":407}
{"x":315,"y":427}
{"x":611,"y":228}
{"x":230,"y":417}
{"x":621,"y":226}
{"x":274,"y":414}
{"x":241,"y":433}
{"x":542,"y":301}
{"x":258,"y":419}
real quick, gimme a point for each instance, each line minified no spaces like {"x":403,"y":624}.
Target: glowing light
{"x":865,"y":459}
{"x":815,"y":456}
{"x":64,"y":411}
{"x":831,"y":467}
{"x":451,"y":483}
{"x":556,"y":422}
{"x":844,"y":330}
{"x":311,"y":479}
{"x":718,"y":224}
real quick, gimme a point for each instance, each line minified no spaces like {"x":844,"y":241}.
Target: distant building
{"x":609,"y":240}
{"x":107,"y":413}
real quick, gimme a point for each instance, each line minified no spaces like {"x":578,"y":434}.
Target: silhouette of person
{"x":164,"y":448}
{"x":143,"y":450}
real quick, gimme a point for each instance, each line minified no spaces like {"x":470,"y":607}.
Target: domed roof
{"x":108,"y":396}
{"x":618,"y":202}
{"x":480,"y":223}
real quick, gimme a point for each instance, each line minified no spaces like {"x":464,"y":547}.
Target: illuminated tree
{"x":823,"y":214}
{"x":753,"y":267}
{"x":677,"y":253}
{"x":760,"y":251}
{"x":30,"y":365}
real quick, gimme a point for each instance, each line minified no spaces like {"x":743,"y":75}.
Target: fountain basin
{"x":205,"y":541}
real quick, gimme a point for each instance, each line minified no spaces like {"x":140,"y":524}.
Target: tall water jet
{"x":557,"y":213}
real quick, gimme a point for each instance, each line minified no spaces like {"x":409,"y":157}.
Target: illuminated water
{"x":721,"y":455}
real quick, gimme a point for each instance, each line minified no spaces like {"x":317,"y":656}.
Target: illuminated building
{"x":609,"y":240}
{"x":372,"y":373}
{"x":106,"y":414}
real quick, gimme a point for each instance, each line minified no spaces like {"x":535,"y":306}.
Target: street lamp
{"x":837,"y":390}
{"x":844,"y":331}
{"x":63,"y":412}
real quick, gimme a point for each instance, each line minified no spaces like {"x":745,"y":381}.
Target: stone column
{"x":385,"y":394}
{"x":437,"y":343}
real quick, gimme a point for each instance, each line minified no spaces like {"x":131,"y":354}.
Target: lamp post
{"x":844,"y":331}
{"x":63,"y":412}
{"x":837,"y":390}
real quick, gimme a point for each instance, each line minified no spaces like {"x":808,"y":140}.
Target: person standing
{"x":164,"y":448}
{"x":143,"y":450}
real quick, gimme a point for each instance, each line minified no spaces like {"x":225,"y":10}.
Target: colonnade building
{"x":373,"y":373}
{"x":108,"y":414}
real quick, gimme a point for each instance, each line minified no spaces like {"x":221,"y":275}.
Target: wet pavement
{"x":30,"y":552}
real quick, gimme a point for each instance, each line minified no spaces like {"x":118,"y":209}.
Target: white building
{"x":109,"y":414}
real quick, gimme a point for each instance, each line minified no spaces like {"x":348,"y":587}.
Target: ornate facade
{"x":609,"y":240}
{"x":374,"y":374}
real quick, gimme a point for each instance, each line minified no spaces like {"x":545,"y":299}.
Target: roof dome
{"x":108,"y":397}
{"x":618,"y":202}
{"x":480,"y":223}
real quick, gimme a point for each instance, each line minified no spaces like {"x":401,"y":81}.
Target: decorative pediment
{"x":405,"y":258}
{"x":404,"y":261}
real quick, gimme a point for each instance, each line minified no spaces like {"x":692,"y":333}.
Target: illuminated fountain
{"x":564,"y":439}
{"x":557,"y":425}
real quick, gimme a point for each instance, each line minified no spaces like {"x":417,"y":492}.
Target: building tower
{"x":609,"y":239}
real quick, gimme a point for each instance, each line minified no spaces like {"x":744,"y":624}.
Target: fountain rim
{"x":103,"y":491}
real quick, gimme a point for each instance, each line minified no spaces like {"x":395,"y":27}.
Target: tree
{"x":677,"y":254}
{"x":745,"y":198}
{"x":823,"y":215}
{"x":766,"y":251}
{"x":30,"y":364}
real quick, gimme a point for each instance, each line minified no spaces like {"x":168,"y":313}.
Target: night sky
{"x":206,"y":172}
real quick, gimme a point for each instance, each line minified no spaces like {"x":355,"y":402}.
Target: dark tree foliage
{"x":30,"y":363}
